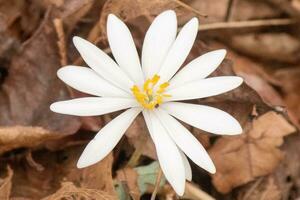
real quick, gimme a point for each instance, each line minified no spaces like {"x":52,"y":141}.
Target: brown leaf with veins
{"x":240,"y":159}
{"x":32,"y":85}
{"x":24,"y":136}
{"x":69,"y":191}
{"x":5,"y":185}
{"x":264,"y":188}
{"x":58,"y":167}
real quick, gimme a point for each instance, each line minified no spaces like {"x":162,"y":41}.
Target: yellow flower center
{"x":150,"y":97}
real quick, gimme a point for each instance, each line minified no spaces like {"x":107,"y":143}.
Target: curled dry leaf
{"x":289,"y":83}
{"x":69,"y":191}
{"x":6,"y":184}
{"x":242,"y":158}
{"x":280,"y":47}
{"x":24,"y":136}
{"x":263,"y":188}
{"x":255,"y":76}
{"x":58,"y":167}
{"x":248,"y":9}
{"x":24,"y":95}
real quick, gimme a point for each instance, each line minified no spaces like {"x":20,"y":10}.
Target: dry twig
{"x":193,"y":192}
{"x":58,"y":24}
{"x":247,"y":24}
{"x":157,"y":183}
{"x":186,"y":6}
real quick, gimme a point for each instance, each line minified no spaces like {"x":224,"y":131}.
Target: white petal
{"x":204,"y":88}
{"x":199,"y":68}
{"x":123,"y":49}
{"x":86,"y":80}
{"x":206,"y":118}
{"x":102,"y":63}
{"x":158,"y":40}
{"x":107,"y":138}
{"x":92,"y":106}
{"x":186,"y":141}
{"x":179,"y":50}
{"x":168,"y":154}
{"x":187,"y":167}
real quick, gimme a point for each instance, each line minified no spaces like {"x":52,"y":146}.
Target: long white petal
{"x":199,"y":68}
{"x":107,"y":138}
{"x":204,"y":88}
{"x":102,"y":63}
{"x":206,"y":118}
{"x":187,"y":167}
{"x":86,"y":80}
{"x":186,"y":141}
{"x":168,"y":154}
{"x":179,"y":50}
{"x":158,"y":40}
{"x":92,"y":106}
{"x":123,"y":49}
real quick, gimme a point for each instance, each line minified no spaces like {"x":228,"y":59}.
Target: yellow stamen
{"x":151,"y":97}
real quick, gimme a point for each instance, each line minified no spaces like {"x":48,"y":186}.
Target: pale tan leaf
{"x":255,"y":153}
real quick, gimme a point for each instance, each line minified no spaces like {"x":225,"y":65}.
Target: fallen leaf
{"x":24,"y":136}
{"x":248,"y":9}
{"x":6,"y":184}
{"x":69,"y":191}
{"x":289,"y":83}
{"x":265,"y":188}
{"x":255,"y":76}
{"x":25,"y":94}
{"x":279,"y":47}
{"x":138,"y":135}
{"x":59,"y":166}
{"x":240,"y":159}
{"x":129,"y":177}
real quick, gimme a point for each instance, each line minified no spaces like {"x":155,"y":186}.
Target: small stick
{"x":58,"y":24}
{"x":229,"y":9}
{"x":33,"y":163}
{"x":186,"y":6}
{"x":247,"y":24}
{"x":133,"y":161}
{"x":193,"y":192}
{"x":157,"y":184}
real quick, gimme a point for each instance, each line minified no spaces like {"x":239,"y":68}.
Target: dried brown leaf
{"x":6,"y":184}
{"x":138,"y":135}
{"x":129,"y":177}
{"x":265,"y":188}
{"x":69,"y":191}
{"x":59,"y":166}
{"x":24,"y":136}
{"x":289,"y":83}
{"x":241,"y":159}
{"x":32,"y":85}
{"x":248,"y":9}
{"x":255,"y":76}
{"x":280,"y":47}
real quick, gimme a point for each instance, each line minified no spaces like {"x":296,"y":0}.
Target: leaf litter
{"x":39,"y":149}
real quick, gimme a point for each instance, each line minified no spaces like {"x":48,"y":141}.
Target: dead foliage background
{"x":39,"y":148}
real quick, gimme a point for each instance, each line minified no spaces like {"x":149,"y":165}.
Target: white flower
{"x":151,"y":87}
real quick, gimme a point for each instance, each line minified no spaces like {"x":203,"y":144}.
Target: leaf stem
{"x":157,"y":183}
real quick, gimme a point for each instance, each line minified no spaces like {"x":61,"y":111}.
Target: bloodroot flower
{"x":152,"y":87}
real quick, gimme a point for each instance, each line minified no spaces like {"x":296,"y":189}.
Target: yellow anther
{"x":155,"y":79}
{"x":151,"y":96}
